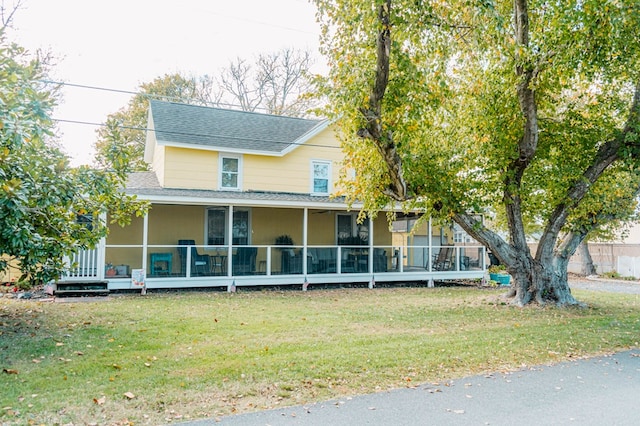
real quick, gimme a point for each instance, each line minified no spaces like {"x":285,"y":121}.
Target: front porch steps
{"x":82,"y":288}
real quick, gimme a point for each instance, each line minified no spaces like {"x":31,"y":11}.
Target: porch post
{"x":145,"y":240}
{"x":370,"y":262}
{"x":305,"y":229}
{"x":102,"y":251}
{"x":230,"y":243}
{"x":429,"y":237}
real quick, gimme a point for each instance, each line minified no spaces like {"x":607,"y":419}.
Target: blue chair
{"x":244,"y":261}
{"x":200,"y":263}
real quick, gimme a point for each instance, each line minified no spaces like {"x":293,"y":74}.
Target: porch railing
{"x":84,"y":264}
{"x":175,"y":261}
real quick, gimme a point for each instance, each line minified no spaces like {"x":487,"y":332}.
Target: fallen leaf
{"x":100,"y":401}
{"x":59,"y":344}
{"x":36,"y":361}
{"x":117,"y":367}
{"x":9,"y":371}
{"x":129,"y":395}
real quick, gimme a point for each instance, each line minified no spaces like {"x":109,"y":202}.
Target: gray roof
{"x":145,"y":185}
{"x":230,"y":129}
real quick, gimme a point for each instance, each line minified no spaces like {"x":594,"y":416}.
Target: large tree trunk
{"x":543,"y":277}
{"x":588,"y":267}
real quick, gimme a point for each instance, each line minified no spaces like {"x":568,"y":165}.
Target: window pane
{"x":230,"y":165}
{"x":321,"y":171}
{"x":321,"y":185}
{"x":229,"y":180}
{"x":240,"y":227}
{"x":216,"y":221}
{"x":345,"y":228}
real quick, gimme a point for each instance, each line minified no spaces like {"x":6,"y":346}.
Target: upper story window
{"x":230,"y":176}
{"x":320,"y":177}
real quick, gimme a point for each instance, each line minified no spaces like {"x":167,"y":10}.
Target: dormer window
{"x":230,"y":177}
{"x":320,"y":177}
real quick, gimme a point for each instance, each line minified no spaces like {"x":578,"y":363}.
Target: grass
{"x":206,"y":354}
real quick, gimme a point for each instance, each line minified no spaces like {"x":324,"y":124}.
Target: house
{"x":247,"y":198}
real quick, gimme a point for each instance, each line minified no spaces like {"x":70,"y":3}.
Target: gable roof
{"x":229,"y":130}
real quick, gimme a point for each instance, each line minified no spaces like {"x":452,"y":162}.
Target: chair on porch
{"x":200,"y":263}
{"x":444,"y":259}
{"x":244,"y":260}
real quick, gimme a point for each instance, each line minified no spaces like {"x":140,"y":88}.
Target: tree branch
{"x":528,"y":143}
{"x":605,"y":157}
{"x":372,"y":130}
{"x":505,"y":253}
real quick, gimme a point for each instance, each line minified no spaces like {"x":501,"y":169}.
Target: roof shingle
{"x":227,"y":129}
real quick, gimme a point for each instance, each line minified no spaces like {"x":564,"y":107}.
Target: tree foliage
{"x":525,"y":110}
{"x":276,"y":83}
{"x":41,"y":197}
{"x":120,"y":144}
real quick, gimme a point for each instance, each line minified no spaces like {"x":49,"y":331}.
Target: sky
{"x":119,"y":44}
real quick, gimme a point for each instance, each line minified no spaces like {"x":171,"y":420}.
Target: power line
{"x":191,"y":101}
{"x":174,"y":133}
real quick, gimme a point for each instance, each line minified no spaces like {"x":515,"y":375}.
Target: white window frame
{"x":312,"y":177}
{"x":221,"y":157}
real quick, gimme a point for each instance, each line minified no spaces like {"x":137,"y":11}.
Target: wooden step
{"x":82,"y":288}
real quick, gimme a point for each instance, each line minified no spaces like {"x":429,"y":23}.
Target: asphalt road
{"x":597,"y":391}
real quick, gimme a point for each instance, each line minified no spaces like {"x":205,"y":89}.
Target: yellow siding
{"x":267,"y":224}
{"x":292,"y":173}
{"x":168,"y":224}
{"x":159,"y":159}
{"x":190,"y":168}
{"x":381,"y":233}
{"x":198,"y":169}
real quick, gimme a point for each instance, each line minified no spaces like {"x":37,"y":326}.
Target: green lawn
{"x":197,"y":354}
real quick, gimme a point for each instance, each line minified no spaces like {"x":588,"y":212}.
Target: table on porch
{"x":218,"y":264}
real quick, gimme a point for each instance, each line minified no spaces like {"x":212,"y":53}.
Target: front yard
{"x":169,"y":357}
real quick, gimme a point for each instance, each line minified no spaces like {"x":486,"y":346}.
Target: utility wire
{"x":162,"y":97}
{"x":191,"y":101}
{"x":174,"y":133}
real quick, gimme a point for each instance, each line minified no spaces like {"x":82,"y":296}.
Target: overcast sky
{"x":118,"y":44}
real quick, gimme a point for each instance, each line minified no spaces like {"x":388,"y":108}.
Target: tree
{"x":124,"y":134}
{"x":276,"y":83}
{"x":528,"y":110}
{"x":41,"y":197}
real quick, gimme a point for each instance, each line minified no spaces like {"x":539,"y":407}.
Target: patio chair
{"x":200,"y":263}
{"x":244,"y":260}
{"x":443,"y":260}
{"x":380,"y":261}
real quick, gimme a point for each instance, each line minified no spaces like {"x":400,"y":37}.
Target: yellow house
{"x":241,"y":198}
